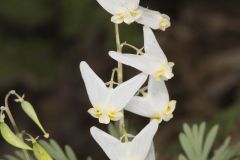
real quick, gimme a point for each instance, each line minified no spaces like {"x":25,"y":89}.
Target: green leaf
{"x":10,"y":157}
{"x":54,"y":150}
{"x":209,"y":141}
{"x":186,"y":145}
{"x":70,"y":154}
{"x":223,"y":151}
{"x":182,"y":157}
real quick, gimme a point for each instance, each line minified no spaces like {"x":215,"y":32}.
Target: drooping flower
{"x":154,"y":62}
{"x":155,"y":104}
{"x":108,"y":102}
{"x":129,"y":11}
{"x":137,"y":149}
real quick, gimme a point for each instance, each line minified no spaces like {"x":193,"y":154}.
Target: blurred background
{"x":43,"y":41}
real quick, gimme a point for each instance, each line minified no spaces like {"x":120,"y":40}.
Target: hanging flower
{"x":108,"y":102}
{"x":155,"y":104}
{"x":137,"y":149}
{"x":129,"y":11}
{"x":153,"y":62}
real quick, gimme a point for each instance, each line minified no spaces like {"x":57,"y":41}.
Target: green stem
{"x":111,"y":83}
{"x":9,"y":114}
{"x":122,"y":128}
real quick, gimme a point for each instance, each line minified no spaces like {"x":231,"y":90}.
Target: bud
{"x":29,"y":110}
{"x":39,"y":152}
{"x":11,"y":138}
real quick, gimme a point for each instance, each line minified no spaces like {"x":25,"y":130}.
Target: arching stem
{"x":12,"y":121}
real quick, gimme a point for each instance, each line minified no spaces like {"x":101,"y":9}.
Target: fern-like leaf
{"x":53,"y":148}
{"x":194,"y":144}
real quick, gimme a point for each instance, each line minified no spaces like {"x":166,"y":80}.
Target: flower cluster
{"x":129,"y":11}
{"x":108,"y":103}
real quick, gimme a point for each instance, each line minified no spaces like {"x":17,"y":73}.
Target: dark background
{"x":43,"y":41}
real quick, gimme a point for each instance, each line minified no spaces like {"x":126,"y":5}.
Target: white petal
{"x":110,"y":6}
{"x":113,"y":148}
{"x":143,"y":63}
{"x":141,"y":106}
{"x":151,"y":45}
{"x":151,"y":153}
{"x":131,"y":4}
{"x":123,"y":93}
{"x":142,"y":142}
{"x":157,"y":90}
{"x":150,"y":18}
{"x":96,"y":89}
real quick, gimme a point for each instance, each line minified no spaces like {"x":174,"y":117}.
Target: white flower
{"x":137,"y":149}
{"x":151,"y":153}
{"x":155,"y":104}
{"x":154,"y":19}
{"x":153,"y":62}
{"x":108,"y":102}
{"x":129,"y":11}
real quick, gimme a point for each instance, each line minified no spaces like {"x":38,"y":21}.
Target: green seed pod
{"x":11,"y":138}
{"x":40,"y":153}
{"x":29,"y":110}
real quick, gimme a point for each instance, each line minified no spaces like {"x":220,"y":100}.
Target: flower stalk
{"x":122,"y":129}
{"x":13,"y":122}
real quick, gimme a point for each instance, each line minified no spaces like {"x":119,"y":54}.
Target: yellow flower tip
{"x":170,"y":108}
{"x":157,"y":117}
{"x":96,"y":112}
{"x":105,"y":116}
{"x":164,"y":72}
{"x":171,"y":64}
{"x":115,"y":115}
{"x":134,"y":13}
{"x":159,"y":73}
{"x":164,"y":22}
{"x":121,"y":18}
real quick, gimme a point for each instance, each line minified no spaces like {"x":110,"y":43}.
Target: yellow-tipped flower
{"x":154,"y":62}
{"x":29,"y":110}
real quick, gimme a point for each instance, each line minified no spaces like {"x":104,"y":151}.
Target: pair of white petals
{"x":129,"y":11}
{"x":155,"y":104}
{"x":154,"y":62}
{"x":140,"y":148}
{"x":109,"y":102}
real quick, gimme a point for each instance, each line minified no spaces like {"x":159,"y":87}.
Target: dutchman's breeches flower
{"x":155,"y":104}
{"x":153,"y":62}
{"x":129,"y":11}
{"x":108,"y":102}
{"x":140,"y":148}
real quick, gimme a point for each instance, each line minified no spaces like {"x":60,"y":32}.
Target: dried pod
{"x":11,"y":138}
{"x":29,"y":110}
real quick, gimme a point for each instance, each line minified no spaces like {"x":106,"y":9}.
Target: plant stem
{"x":122,"y":128}
{"x":139,"y":51}
{"x":9,"y":114}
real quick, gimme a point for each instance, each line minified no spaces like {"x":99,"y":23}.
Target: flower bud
{"x":40,"y":153}
{"x":11,"y":138}
{"x":29,"y":110}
